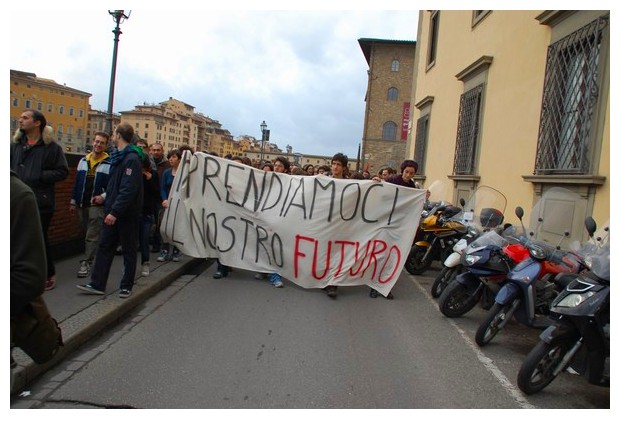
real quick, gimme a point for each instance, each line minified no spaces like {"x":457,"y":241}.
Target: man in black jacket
{"x":39,"y":162}
{"x":122,"y":210}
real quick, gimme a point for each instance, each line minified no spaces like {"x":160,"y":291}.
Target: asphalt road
{"x":239,"y":343}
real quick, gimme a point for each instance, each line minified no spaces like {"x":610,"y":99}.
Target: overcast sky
{"x":302,"y":72}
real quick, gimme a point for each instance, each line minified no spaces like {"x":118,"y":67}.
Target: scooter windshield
{"x":484,"y":209}
{"x":599,"y":262}
{"x":489,"y":238}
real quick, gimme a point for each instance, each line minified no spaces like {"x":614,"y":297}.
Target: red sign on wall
{"x":405,"y":121}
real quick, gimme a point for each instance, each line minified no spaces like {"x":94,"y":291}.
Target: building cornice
{"x":481,"y":64}
{"x":565,"y":179}
{"x":429,"y":99}
{"x":553,"y":17}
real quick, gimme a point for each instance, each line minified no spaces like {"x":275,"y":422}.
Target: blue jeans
{"x":146,"y":222}
{"x":222,"y":268}
{"x":125,"y":232}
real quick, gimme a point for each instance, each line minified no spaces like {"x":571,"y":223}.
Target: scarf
{"x":117,"y":156}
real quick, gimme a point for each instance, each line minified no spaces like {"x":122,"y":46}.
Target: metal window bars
{"x":570,"y":96}
{"x":467,"y":131}
{"x":421,"y":139}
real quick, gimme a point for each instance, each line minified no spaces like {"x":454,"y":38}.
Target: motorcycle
{"x":483,"y":211}
{"x":579,"y":336}
{"x":486,"y":261}
{"x":529,"y":289}
{"x":452,"y":264}
{"x":437,"y":232}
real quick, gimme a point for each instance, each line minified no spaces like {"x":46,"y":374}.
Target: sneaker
{"x":50,"y":283}
{"x":84,"y":270}
{"x":260,"y":276}
{"x":176,"y":255}
{"x":163,"y":256}
{"x":332,"y":291}
{"x":90,"y":289}
{"x":124,"y":293}
{"x":220,"y":274}
{"x":146,"y":269}
{"x":276,"y":280}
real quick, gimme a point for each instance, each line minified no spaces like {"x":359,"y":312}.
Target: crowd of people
{"x":121,"y":191}
{"x":339,"y":169}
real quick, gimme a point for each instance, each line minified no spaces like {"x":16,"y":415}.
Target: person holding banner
{"x":174,"y":158}
{"x":340,"y":170}
{"x":280,"y":165}
{"x":408,"y":169}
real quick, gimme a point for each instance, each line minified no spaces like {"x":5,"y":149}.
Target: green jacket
{"x":28,"y":260}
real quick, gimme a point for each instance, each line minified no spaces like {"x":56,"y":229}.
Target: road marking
{"x":513,"y":391}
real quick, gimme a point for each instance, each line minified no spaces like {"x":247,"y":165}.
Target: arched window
{"x":392,"y":94}
{"x":389,"y":131}
{"x":395,"y":65}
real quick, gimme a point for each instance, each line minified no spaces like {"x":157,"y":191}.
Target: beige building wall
{"x":98,"y":121}
{"x":507,"y":51}
{"x":65,"y":109}
{"x":171,"y":123}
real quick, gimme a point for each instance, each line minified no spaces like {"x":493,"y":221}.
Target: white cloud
{"x":302,"y":72}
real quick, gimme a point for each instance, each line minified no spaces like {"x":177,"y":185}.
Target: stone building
{"x":388,"y":102}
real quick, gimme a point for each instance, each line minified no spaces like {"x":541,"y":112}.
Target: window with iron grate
{"x":569,"y":100}
{"x":467,"y":131}
{"x":421,"y":139}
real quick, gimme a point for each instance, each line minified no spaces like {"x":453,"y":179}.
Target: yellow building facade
{"x":65,"y":109}
{"x":516,"y":100}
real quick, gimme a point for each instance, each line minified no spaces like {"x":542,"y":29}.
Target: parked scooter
{"x":483,"y":211}
{"x":452,"y":266}
{"x":579,"y":335}
{"x":486,"y":263}
{"x":529,"y":289}
{"x":437,"y":200}
{"x":437,"y":232}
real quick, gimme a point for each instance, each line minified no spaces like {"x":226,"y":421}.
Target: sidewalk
{"x":82,"y":316}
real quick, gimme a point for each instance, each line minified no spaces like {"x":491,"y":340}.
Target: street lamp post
{"x":264,"y":137}
{"x":118,"y":16}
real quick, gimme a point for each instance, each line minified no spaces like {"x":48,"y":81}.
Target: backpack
{"x":36,"y":332}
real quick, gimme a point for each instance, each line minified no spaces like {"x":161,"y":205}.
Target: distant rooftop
{"x":366,"y":45}
{"x":44,"y":81}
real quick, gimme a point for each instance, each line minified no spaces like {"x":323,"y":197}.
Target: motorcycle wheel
{"x":414,"y":264}
{"x":489,"y":328}
{"x":446,"y":275}
{"x":537,"y":369}
{"x":457,"y":299}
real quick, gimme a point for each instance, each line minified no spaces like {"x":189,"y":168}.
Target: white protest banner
{"x":313,"y":230}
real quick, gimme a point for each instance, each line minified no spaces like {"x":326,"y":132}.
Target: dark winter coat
{"x":39,"y":166}
{"x":124,"y":194}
